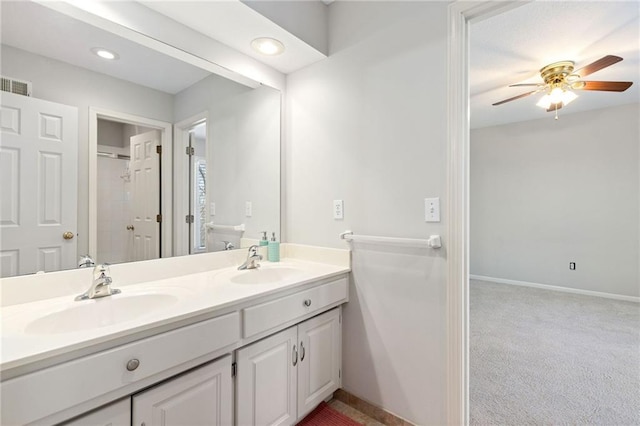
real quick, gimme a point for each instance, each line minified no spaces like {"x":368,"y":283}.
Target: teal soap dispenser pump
{"x":273,"y":252}
{"x":264,"y":241}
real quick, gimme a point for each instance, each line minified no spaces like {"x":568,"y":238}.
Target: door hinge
{"x":190,"y":150}
{"x":158,"y":218}
{"x":189,"y":218}
{"x":234,"y":369}
{"x":159,"y":149}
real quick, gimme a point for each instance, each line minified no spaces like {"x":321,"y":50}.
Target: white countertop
{"x":27,"y":347}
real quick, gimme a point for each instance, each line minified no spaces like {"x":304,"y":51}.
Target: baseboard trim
{"x":556,"y":288}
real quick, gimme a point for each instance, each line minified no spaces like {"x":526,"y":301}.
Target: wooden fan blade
{"x":598,"y":65}
{"x":554,"y":107}
{"x":515,"y":97}
{"x":606,"y":86}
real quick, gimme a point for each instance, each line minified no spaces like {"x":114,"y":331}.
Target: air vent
{"x":19,"y":87}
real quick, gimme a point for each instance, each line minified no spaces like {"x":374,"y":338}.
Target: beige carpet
{"x":545,"y":357}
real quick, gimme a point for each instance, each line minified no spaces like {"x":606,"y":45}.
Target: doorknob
{"x":68,"y":235}
{"x":130,"y":228}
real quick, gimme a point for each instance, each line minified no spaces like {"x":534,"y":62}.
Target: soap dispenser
{"x":274,"y":249}
{"x":264,"y":241}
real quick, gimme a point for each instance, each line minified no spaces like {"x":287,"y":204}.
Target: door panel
{"x":201,"y":397}
{"x":320,"y":359}
{"x":266,"y":382}
{"x":38,"y":195}
{"x":145,"y":178}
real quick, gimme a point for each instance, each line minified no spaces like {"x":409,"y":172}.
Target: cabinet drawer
{"x":83,"y":379}
{"x":268,"y":315}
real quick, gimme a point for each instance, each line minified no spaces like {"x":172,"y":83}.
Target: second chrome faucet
{"x":252,"y":259}
{"x":101,"y":285}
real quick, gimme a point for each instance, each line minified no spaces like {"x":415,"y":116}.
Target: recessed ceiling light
{"x":104,"y":53}
{"x":267,"y":46}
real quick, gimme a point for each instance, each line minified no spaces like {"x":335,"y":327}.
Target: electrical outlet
{"x":572,"y":266}
{"x":338,"y":209}
{"x":432,"y":209}
{"x":248,"y":209}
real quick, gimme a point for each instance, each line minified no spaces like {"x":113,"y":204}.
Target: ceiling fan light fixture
{"x":556,"y":96}
{"x":568,"y":96}
{"x":544,"y":102}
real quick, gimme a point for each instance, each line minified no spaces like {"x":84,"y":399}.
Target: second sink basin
{"x":265,"y":275}
{"x":103,"y":312}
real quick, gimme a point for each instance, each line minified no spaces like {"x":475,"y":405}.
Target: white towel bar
{"x":407,"y":242}
{"x":216,"y":227}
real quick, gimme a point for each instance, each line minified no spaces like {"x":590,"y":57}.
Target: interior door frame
{"x":180,"y":174}
{"x":166,"y":193}
{"x":461,"y":15}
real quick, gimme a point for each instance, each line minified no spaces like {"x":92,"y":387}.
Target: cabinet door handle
{"x":294,"y":356}
{"x":307,"y":302}
{"x":133,"y":364}
{"x":302,"y":351}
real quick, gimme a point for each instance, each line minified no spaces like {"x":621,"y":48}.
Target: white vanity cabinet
{"x":203,"y":396}
{"x":284,"y":376}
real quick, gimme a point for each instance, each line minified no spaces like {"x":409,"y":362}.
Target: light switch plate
{"x":212,"y":209}
{"x":432,"y":209}
{"x":338,"y":209}
{"x":248,"y":208}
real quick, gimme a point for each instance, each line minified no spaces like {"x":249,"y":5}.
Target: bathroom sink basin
{"x":103,"y":312}
{"x":265,"y":275}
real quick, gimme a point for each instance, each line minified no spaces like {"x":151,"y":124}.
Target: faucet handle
{"x":101,"y":270}
{"x":253,"y":250}
{"x":86,"y":261}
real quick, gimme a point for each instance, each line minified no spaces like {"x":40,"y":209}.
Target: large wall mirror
{"x":133,"y":158}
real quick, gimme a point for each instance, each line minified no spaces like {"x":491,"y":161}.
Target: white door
{"x":39,"y":190}
{"x":201,"y":397}
{"x":320,"y":349}
{"x":266,"y":381}
{"x":114,"y":414}
{"x":145,"y":193}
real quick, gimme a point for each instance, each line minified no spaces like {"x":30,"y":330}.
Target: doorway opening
{"x":190,"y":177}
{"x":129,"y":187}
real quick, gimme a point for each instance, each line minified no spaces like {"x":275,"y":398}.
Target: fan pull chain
{"x":556,"y":111}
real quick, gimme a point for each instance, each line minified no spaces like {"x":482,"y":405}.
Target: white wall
{"x":545,"y":193}
{"x":368,"y":125}
{"x":115,"y":242}
{"x":66,"y":84}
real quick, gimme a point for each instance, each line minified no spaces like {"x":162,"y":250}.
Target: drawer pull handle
{"x":133,"y":364}
{"x":294,"y":356}
{"x":307,"y":302}
{"x":302,"y":351}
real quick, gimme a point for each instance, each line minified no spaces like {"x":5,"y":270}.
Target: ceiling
{"x":235,"y":24}
{"x":512,"y":47}
{"x":69,"y":40}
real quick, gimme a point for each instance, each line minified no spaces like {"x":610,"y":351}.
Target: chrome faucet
{"x":101,"y":286}
{"x":252,"y":259}
{"x":86,"y":261}
{"x":228,"y":245}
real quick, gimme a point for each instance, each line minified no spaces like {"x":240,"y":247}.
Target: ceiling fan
{"x":560,"y":80}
